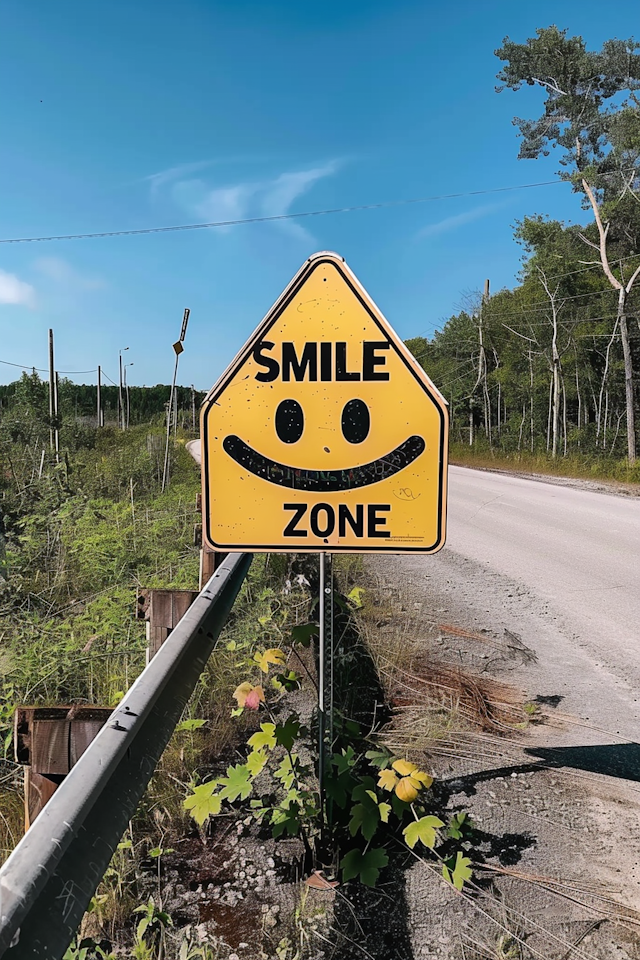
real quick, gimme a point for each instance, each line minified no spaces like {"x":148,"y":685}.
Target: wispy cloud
{"x":171,"y":174}
{"x":64,"y":275}
{"x":265,"y":198}
{"x":16,"y":291}
{"x":459,"y":220}
{"x":281,"y":193}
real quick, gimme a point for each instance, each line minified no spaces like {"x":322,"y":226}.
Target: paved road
{"x":558,"y":565}
{"x":576,"y":548}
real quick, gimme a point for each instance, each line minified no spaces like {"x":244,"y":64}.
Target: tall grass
{"x":577,"y":466}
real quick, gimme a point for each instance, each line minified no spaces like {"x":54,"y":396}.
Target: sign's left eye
{"x":289,"y":421}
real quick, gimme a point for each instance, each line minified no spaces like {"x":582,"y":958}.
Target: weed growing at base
{"x":373,"y":800}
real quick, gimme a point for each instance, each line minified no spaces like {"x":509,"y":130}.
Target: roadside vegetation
{"x":81,"y":535}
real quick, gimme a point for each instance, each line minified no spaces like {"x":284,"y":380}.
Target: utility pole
{"x":126,"y":393}
{"x":99,"y":403}
{"x":178,"y":349}
{"x":120,"y":404}
{"x":56,"y":431}
{"x":193,"y":408}
{"x":120,"y":396}
{"x":51,"y":391}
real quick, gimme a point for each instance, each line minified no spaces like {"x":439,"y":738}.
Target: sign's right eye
{"x":289,"y":421}
{"x":356,"y":421}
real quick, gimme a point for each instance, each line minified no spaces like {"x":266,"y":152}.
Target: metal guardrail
{"x":49,"y":879}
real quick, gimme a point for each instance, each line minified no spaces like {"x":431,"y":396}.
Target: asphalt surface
{"x":560,"y":567}
{"x":575,"y":548}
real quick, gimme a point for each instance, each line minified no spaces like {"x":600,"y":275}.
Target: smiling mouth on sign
{"x":325,"y":481}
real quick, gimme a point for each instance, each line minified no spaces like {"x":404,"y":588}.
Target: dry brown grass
{"x":431,"y":700}
{"x":11,"y":809}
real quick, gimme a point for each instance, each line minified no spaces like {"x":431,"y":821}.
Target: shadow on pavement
{"x":620,"y":760}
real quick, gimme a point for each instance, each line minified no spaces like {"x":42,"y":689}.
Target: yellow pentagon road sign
{"x":324,"y":434}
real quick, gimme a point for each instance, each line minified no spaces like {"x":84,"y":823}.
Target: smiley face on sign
{"x":324,"y":434}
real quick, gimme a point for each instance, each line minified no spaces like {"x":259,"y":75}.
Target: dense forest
{"x":539,"y":367}
{"x":78,"y":402}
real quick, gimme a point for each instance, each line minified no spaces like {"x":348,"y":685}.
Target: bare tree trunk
{"x":550,"y":413}
{"x":556,"y":407}
{"x":564,"y":418}
{"x":524,"y":416}
{"x":579,"y":403}
{"x":614,"y":441}
{"x":531,"y":398}
{"x":555,"y":360}
{"x":628,"y":376}
{"x":623,"y":292}
{"x":603,"y":385}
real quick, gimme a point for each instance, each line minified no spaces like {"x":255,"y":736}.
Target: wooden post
{"x":56,"y":431}
{"x":99,"y":403}
{"x":49,"y":741}
{"x":163,"y":610}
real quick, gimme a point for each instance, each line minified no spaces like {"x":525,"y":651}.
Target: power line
{"x":593,"y":266}
{"x":29,"y":366}
{"x":283,"y":216}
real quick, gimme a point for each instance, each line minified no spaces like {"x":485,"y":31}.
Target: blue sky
{"x":133,"y":114}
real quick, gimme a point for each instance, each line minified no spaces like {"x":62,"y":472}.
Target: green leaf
{"x":286,"y":819}
{"x":355,"y":597}
{"x":265,"y":737}
{"x":460,"y":826}
{"x":256,"y":762}
{"x":287,"y":733}
{"x":203,"y":802}
{"x":237,"y":783}
{"x":286,"y":772}
{"x":378,"y":758}
{"x":384,"y":809}
{"x":365,"y":818}
{"x":337,"y":788}
{"x":367,"y":865}
{"x":288,"y":681}
{"x":340,"y":603}
{"x":190,"y":725}
{"x":303,"y":633}
{"x":364,"y":789}
{"x":457,"y":870}
{"x":345,"y":760}
{"x":423,"y":830}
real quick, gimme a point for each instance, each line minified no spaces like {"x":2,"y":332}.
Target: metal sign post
{"x":325,"y":672}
